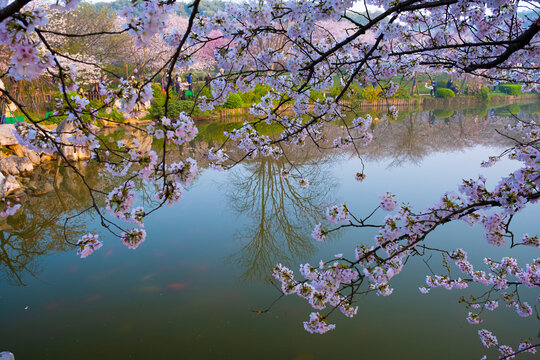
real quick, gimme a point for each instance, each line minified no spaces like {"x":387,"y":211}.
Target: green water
{"x":186,"y":292}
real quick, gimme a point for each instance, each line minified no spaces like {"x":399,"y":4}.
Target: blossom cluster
{"x":133,"y":238}
{"x":403,"y":230}
{"x":146,"y":19}
{"x":30,"y":58}
{"x":336,"y":214}
{"x":88,"y":244}
{"x":321,"y":288}
{"x":179,"y":131}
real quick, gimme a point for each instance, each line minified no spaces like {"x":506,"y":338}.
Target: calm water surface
{"x":186,"y":292}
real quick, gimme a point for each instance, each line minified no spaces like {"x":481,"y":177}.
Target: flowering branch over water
{"x":338,"y":283}
{"x":292,"y":48}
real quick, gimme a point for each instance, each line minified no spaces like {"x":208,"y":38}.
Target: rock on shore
{"x":6,"y":135}
{"x":65,"y":130}
{"x":15,"y":165}
{"x":8,"y":185}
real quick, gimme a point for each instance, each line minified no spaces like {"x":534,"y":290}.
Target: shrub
{"x":483,"y":93}
{"x":371,"y":93}
{"x":317,"y":95}
{"x":247,"y":97}
{"x":354,"y":92}
{"x":335,"y":90}
{"x":175,"y":107}
{"x":402,"y":93}
{"x":260,"y":91}
{"x":203,"y":92}
{"x":444,"y":93}
{"x":254,"y":96}
{"x":510,"y":89}
{"x":114,"y":114}
{"x":234,"y":101}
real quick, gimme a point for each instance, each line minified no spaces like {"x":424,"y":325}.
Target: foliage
{"x":354,"y":92}
{"x":483,"y":93}
{"x":371,"y":93}
{"x":175,"y":105}
{"x":255,"y":95}
{"x":444,"y":93}
{"x":402,"y":93}
{"x":510,"y":89}
{"x":234,"y":101}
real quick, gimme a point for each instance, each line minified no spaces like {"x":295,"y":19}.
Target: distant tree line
{"x":208,"y":8}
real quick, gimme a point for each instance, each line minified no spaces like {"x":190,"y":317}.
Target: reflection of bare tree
{"x":20,"y":249}
{"x":37,"y":229}
{"x":282,"y":213}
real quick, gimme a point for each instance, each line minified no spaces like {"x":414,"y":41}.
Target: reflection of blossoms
{"x":11,"y":208}
{"x":360,"y":176}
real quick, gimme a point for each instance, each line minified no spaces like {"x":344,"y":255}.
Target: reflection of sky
{"x":177,"y":296}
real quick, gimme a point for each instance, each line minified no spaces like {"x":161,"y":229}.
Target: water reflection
{"x":423,"y":133}
{"x":38,"y":227}
{"x":281,"y":213}
{"x":53,"y":193}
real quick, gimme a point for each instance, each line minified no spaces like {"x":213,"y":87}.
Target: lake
{"x":187,"y":291}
